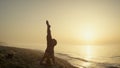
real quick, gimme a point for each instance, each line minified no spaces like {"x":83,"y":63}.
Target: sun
{"x":88,"y":36}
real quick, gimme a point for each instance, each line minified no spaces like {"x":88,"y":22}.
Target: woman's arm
{"x":49,"y":37}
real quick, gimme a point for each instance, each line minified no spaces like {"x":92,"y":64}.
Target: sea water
{"x":90,"y":56}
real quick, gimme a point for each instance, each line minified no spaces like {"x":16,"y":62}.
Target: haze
{"x":73,"y":21}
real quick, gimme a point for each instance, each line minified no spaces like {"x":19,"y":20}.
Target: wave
{"x":115,"y":57}
{"x":68,"y":56}
{"x":93,"y":64}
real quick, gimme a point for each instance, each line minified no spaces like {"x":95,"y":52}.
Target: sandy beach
{"x":12,"y":57}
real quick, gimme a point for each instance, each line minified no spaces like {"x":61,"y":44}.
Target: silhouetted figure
{"x":48,"y":57}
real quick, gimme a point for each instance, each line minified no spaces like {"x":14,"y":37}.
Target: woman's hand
{"x":48,"y":25}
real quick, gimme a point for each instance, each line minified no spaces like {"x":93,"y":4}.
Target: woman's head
{"x":54,"y":42}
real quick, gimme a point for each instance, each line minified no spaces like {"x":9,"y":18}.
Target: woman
{"x":48,"y":57}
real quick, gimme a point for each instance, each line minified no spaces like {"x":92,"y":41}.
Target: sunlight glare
{"x":88,"y":51}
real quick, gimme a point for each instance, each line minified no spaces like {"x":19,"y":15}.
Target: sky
{"x":72,"y":21}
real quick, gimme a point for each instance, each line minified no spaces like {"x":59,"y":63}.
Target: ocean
{"x":90,"y":56}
